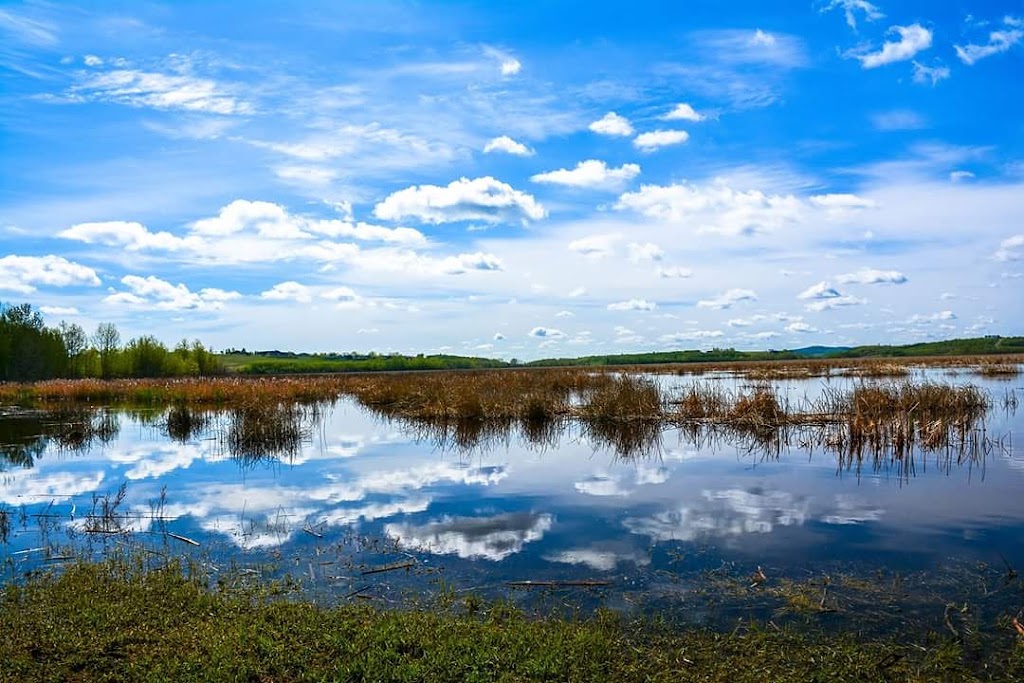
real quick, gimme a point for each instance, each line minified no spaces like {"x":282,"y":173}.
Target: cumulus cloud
{"x":693,"y":335}
{"x":612,"y":124}
{"x":507,"y":63}
{"x":273,"y":221}
{"x":547,"y":333}
{"x":728,"y":298}
{"x":590,"y":173}
{"x":130,"y":235}
{"x":59,"y":310}
{"x":998,"y":41}
{"x":822,"y":290}
{"x":153,"y":293}
{"x":872,"y":276}
{"x":930,"y":74}
{"x":683,"y":112}
{"x":480,"y":199}
{"x":596,"y":246}
{"x":912,"y":39}
{"x":508,"y":146}
{"x":288,"y":291}
{"x":23,"y":274}
{"x":633,"y":305}
{"x":715,"y":208}
{"x":852,"y":7}
{"x":829,"y":303}
{"x":800,"y":328}
{"x":941,"y":316}
{"x":646,"y":251}
{"x":1010,"y":249}
{"x":674,"y":272}
{"x":656,"y":139}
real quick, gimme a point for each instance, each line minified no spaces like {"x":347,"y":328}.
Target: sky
{"x":528,"y":179}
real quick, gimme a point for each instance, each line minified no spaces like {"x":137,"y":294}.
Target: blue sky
{"x":518,"y":180}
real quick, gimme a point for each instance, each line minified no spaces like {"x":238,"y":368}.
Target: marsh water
{"x":696,"y":526}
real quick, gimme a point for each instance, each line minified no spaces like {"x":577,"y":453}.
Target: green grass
{"x":115,"y":622}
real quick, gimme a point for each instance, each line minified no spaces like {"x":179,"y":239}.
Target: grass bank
{"x":116,"y":622}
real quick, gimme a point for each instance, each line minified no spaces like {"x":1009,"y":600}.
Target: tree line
{"x":29,"y":350}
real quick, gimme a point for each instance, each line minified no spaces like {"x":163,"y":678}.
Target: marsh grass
{"x":120,"y":620}
{"x":265,"y":431}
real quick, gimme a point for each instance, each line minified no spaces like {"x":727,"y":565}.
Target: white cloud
{"x":481,"y":199}
{"x":872,"y":276}
{"x":998,"y":41}
{"x":590,"y":173}
{"x":822,"y":290}
{"x":273,"y":221}
{"x":647,"y":251}
{"x":633,"y":305}
{"x":834,"y":302}
{"x":695,"y":335}
{"x":841,"y":204}
{"x":59,"y":310}
{"x":153,"y":293}
{"x":23,"y":274}
{"x":1010,"y":249}
{"x":930,"y":74}
{"x":507,"y":145}
{"x":957,"y":176}
{"x":508,"y":64}
{"x":683,"y":112}
{"x":899,"y":119}
{"x":342,"y":295}
{"x":612,"y":124}
{"x":31,"y":31}
{"x":596,"y":246}
{"x":801,"y":328}
{"x":491,"y":538}
{"x":715,"y":208}
{"x":307,"y":175}
{"x":565,"y":314}
{"x":498,"y":336}
{"x":128,"y":234}
{"x":577,"y":292}
{"x":912,"y":39}
{"x":656,"y":139}
{"x":674,"y":272}
{"x":92,"y":60}
{"x":137,"y":88}
{"x":547,"y":333}
{"x":850,"y":7}
{"x":728,"y":298}
{"x":941,"y":316}
{"x":288,"y":291}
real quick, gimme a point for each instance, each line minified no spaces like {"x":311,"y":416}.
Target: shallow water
{"x":681,"y":529}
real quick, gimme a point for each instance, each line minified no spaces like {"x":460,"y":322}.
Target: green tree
{"x":107,"y":341}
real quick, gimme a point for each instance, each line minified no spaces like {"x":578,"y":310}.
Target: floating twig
{"x":388,"y":568}
{"x":557,"y":584}
{"x":183,"y":539}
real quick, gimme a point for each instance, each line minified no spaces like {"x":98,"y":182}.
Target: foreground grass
{"x":112,"y":623}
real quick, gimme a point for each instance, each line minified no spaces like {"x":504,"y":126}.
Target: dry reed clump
{"x":222,"y":392}
{"x":877,"y":369}
{"x":760,"y":408}
{"x":184,"y":423}
{"x":896,"y":417}
{"x":623,"y":397}
{"x":701,"y":401}
{"x":262,"y":431}
{"x":997,"y":369}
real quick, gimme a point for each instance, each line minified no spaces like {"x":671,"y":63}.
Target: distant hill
{"x":285,"y":362}
{"x":819,"y":351}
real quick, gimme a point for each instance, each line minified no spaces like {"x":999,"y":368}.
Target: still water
{"x":702,"y":527}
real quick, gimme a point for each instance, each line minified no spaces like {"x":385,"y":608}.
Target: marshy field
{"x":798,"y":520}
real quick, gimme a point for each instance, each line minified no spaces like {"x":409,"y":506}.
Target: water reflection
{"x":560,"y":499}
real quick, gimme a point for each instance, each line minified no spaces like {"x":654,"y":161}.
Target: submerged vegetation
{"x":117,"y":620}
